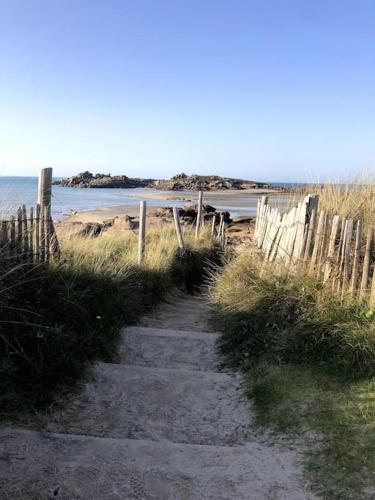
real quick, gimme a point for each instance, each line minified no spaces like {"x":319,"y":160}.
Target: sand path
{"x":163,"y":423}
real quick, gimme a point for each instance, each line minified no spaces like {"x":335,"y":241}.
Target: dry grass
{"x":122,"y":249}
{"x":354,"y":199}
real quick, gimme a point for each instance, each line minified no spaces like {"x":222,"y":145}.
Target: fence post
{"x":366,"y":262}
{"x":45,"y":188}
{"x":44,"y":200}
{"x":142,"y":231}
{"x":213,"y":227}
{"x":178,"y":228}
{"x":199,"y":214}
{"x":357,"y":249}
{"x":37,"y":233}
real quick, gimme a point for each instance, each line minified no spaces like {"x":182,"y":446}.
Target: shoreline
{"x":240,"y":202}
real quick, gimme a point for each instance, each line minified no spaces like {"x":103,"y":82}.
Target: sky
{"x":269,"y":90}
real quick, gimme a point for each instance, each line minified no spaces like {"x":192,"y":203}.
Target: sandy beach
{"x":236,"y":202}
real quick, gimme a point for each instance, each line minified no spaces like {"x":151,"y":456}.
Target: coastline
{"x":241,"y":202}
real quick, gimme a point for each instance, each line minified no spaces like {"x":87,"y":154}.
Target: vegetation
{"x":309,"y":365}
{"x":56,"y":318}
{"x":354,"y":199}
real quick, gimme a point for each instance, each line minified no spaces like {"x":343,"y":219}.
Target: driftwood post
{"x":177,"y":224}
{"x":142,"y":231}
{"x":199,"y":214}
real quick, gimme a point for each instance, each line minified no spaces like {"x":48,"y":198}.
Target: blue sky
{"x":276,"y":90}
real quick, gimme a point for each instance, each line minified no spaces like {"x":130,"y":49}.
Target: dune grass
{"x":353,"y":198}
{"x":309,"y":366}
{"x":57,"y":318}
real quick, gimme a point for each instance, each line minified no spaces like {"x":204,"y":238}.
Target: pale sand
{"x":241,"y":202}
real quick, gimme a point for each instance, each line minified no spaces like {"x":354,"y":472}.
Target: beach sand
{"x":242,"y":202}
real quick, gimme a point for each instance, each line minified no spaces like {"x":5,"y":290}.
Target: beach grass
{"x":56,"y":319}
{"x":309,"y":364}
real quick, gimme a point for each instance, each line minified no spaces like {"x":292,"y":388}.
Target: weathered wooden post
{"x":44,"y":200}
{"x":357,"y":249}
{"x":221,"y":225}
{"x":142,"y":231}
{"x":199,"y":214}
{"x":45,"y":188}
{"x":177,"y":224}
{"x":366,"y":262}
{"x":213,"y":227}
{"x":37,"y":233}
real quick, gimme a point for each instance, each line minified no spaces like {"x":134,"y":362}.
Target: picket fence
{"x":321,"y":244}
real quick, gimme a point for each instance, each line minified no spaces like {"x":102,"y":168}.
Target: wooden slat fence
{"x":323,"y":245}
{"x":29,"y":237}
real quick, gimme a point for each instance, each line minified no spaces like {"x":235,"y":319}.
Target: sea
{"x":15,"y":191}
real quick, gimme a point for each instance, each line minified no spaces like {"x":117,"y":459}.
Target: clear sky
{"x":280,"y":90}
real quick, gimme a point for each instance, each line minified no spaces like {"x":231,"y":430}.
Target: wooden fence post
{"x":346,"y":255}
{"x":357,"y":249}
{"x":199,"y":213}
{"x":331,"y":247}
{"x":142,"y":231}
{"x":37,"y":233}
{"x":31,"y":234}
{"x":213,"y":227}
{"x":366,"y":262}
{"x":44,"y":200}
{"x":177,"y":224}
{"x":45,"y":187}
{"x":318,"y":236}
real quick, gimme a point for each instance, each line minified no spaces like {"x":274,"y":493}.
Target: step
{"x":36,"y":465}
{"x":161,"y":348}
{"x":124,"y":401}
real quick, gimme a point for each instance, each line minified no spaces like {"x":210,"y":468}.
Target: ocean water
{"x":15,"y":191}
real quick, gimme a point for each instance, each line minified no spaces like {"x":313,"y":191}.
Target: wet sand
{"x":236,"y":202}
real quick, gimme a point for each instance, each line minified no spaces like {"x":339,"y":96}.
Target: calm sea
{"x":15,"y":191}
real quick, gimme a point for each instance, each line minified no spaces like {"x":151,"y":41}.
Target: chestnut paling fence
{"x":331,"y":248}
{"x":29,"y":235}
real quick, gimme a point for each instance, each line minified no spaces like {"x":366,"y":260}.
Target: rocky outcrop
{"x":89,"y":180}
{"x":181,"y":182}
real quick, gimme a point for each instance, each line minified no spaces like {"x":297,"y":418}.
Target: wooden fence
{"x":332,"y":249}
{"x":29,"y":235}
{"x":217,"y":227}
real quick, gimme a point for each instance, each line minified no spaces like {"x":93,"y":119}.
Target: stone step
{"x":124,"y":401}
{"x":160,"y":348}
{"x":43,"y":466}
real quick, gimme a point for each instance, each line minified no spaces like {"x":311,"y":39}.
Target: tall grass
{"x":352,"y":199}
{"x":309,"y":363}
{"x":55,"y":319}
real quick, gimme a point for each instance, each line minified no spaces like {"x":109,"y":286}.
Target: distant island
{"x":180,"y":182}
